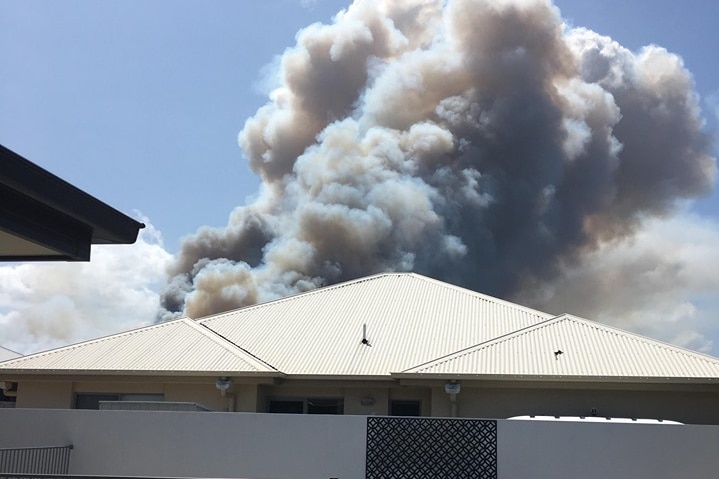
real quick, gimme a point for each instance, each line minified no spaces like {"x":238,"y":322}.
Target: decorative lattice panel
{"x":399,"y":447}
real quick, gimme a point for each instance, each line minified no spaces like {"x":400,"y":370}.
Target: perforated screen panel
{"x":404,"y":447}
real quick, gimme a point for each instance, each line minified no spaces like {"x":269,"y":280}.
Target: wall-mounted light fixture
{"x":367,"y":400}
{"x":452,"y":388}
{"x":223,"y":384}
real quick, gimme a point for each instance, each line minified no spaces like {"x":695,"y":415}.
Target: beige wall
{"x":687,"y":403}
{"x":353,"y":401}
{"x":116,"y":387}
{"x":41,"y":394}
{"x":61,"y":394}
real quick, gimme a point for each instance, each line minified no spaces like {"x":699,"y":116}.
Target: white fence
{"x":192,"y":444}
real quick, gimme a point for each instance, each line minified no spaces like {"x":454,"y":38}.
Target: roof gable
{"x":174,"y":347}
{"x":408,"y":319}
{"x":568,"y":346}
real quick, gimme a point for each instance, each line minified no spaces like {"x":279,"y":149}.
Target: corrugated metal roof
{"x":409,"y":318}
{"x":588,"y":349}
{"x":173,"y":347}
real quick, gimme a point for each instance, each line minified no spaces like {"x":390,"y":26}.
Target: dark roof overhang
{"x":45,"y":218}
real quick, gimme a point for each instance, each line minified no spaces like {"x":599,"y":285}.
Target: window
{"x":8,"y":396}
{"x":405,"y":408}
{"x":92,"y":401}
{"x":306,"y":406}
{"x":286,"y":407}
{"x":325,"y":406}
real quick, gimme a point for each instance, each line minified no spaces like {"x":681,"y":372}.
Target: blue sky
{"x":140,"y":102}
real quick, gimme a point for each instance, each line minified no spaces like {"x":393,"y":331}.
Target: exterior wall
{"x":100,"y":387}
{"x":44,"y":394}
{"x":202,"y":444}
{"x":690,"y":404}
{"x":353,"y":401}
{"x":440,"y":403}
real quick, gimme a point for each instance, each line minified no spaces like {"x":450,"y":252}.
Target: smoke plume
{"x":480,"y":142}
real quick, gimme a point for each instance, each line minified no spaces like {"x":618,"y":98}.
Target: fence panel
{"x":409,"y":448}
{"x":35,"y":460}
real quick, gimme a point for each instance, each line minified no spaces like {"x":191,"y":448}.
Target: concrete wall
{"x":205,"y":444}
{"x":562,"y":450}
{"x":199,"y":444}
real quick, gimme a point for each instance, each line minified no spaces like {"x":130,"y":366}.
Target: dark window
{"x":286,"y":407}
{"x":92,"y":401}
{"x":325,"y":406}
{"x":8,"y":397}
{"x":405,"y":408}
{"x":306,"y":406}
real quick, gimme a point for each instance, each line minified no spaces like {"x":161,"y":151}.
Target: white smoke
{"x":480,"y":142}
{"x":47,"y":305}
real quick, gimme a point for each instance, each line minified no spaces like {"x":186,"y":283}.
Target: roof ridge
{"x":470,"y":292}
{"x":229,"y":345}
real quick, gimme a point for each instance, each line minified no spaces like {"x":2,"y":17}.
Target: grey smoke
{"x":480,"y":142}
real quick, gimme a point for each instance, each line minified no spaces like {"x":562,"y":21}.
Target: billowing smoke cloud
{"x":47,"y":305}
{"x":479,"y":142}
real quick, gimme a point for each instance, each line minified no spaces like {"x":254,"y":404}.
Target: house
{"x":390,"y":344}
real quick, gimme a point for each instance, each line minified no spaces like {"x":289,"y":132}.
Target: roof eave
{"x":338,"y":377}
{"x":556,"y":378}
{"x":49,"y":211}
{"x":18,"y":373}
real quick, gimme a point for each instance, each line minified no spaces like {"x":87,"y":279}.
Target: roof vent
{"x":365,"y":341}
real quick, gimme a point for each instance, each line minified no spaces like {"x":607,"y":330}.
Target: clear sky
{"x":140,"y":103}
